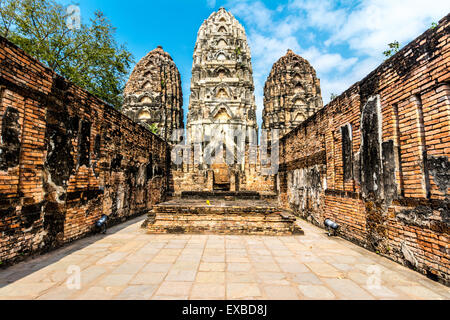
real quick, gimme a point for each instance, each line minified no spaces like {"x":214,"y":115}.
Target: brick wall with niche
{"x":66,"y":158}
{"x":377,"y":158}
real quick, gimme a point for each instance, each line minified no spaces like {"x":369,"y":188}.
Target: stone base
{"x":229,"y":195}
{"x":247,"y":217}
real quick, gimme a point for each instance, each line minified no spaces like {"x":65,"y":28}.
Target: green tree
{"x":333,"y":96}
{"x":86,"y":54}
{"x":394,"y":47}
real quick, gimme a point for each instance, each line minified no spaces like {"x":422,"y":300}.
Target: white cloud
{"x":280,"y":8}
{"x":367,"y":26}
{"x":254,"y":13}
{"x":319,"y":14}
{"x":288,"y":27}
{"x":325,"y":62}
{"x":270,"y":44}
{"x":265,"y":52}
{"x":343,"y":40}
{"x":337,"y":83}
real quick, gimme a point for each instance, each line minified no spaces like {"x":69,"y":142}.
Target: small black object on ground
{"x":331,"y":227}
{"x":101,"y":225}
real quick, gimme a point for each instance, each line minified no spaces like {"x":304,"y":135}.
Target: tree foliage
{"x":394,"y":47}
{"x":89,"y":55}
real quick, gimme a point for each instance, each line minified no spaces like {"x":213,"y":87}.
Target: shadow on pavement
{"x":35,"y":263}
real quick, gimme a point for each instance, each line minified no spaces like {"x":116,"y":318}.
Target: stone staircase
{"x":221,"y":213}
{"x":228,"y":195}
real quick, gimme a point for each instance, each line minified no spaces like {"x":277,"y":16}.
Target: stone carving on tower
{"x":222,"y":90}
{"x":222,"y":132}
{"x":291,"y":94}
{"x":153,"y":95}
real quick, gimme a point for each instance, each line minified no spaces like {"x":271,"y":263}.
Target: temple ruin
{"x":221,"y":162}
{"x":153,"y":95}
{"x":222,"y":90}
{"x":291,"y":94}
{"x":375,"y":159}
{"x":221,"y":123}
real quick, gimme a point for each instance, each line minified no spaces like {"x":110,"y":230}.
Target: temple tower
{"x":222,"y":91}
{"x":291,"y":94}
{"x":153,"y":95}
{"x":222,"y":130}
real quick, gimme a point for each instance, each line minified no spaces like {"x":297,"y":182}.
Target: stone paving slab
{"x":127,"y":264}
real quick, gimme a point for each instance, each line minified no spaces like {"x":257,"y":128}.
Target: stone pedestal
{"x":213,"y":214}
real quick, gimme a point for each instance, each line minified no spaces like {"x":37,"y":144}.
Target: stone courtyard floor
{"x":129,"y":264}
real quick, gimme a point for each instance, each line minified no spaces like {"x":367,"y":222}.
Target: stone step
{"x":250,"y":195}
{"x":252,"y":217}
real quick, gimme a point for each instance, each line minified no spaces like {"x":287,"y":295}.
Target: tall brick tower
{"x":291,"y":95}
{"x":153,"y":95}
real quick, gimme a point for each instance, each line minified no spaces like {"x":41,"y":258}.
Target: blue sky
{"x":343,"y":39}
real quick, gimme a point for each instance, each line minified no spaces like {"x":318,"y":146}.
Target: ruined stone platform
{"x":220,"y":216}
{"x":228,"y":195}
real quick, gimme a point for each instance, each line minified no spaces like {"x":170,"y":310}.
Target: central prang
{"x":222,"y":102}
{"x":222,"y":91}
{"x":221,"y":152}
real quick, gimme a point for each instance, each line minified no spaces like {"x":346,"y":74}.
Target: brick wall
{"x":376,"y":159}
{"x":66,"y":158}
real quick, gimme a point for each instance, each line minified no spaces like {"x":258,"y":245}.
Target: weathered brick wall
{"x":376,"y":159}
{"x":66,"y":158}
